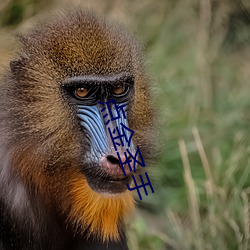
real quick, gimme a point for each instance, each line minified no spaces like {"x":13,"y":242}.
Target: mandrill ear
{"x":18,"y":63}
{"x":15,"y":64}
{"x":17,"y":67}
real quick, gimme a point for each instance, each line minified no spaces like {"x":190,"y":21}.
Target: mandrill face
{"x":53,"y":126}
{"x":90,"y":95}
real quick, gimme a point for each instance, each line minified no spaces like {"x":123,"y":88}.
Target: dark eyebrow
{"x":88,"y":79}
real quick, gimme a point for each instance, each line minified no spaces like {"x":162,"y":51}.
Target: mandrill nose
{"x":111,"y":164}
{"x":112,"y":159}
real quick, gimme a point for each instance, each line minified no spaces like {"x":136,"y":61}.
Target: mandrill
{"x":61,"y":183}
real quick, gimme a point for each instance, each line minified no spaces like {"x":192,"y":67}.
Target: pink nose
{"x":114,"y":159}
{"x":111,"y":164}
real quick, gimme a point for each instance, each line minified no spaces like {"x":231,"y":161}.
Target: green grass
{"x":202,"y":93}
{"x":199,"y":59}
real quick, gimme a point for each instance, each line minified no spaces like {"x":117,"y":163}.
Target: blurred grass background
{"x":198,"y":55}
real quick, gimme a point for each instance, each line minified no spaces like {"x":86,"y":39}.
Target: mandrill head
{"x":54,"y":136}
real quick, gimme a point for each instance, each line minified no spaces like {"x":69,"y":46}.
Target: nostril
{"x":112,"y":159}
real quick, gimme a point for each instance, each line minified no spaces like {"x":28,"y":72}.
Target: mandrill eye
{"x":118,"y":89}
{"x":81,"y":92}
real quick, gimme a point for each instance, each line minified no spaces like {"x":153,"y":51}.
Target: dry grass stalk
{"x":192,"y":197}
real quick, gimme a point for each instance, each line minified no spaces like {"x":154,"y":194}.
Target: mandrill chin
{"x":61,"y":183}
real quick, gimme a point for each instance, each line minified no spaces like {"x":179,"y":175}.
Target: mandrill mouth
{"x":115,"y":184}
{"x":108,"y":177}
{"x":102,"y":182}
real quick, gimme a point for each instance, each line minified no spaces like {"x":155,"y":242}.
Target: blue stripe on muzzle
{"x":92,"y":120}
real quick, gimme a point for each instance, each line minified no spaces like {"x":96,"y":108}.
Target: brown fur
{"x":39,"y":130}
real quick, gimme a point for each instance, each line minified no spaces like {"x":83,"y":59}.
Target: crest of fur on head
{"x":40,"y":143}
